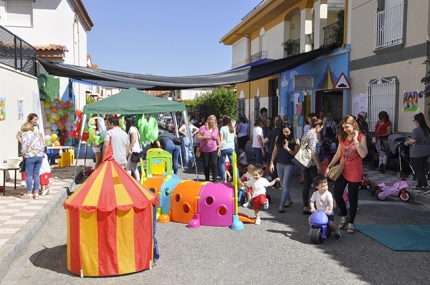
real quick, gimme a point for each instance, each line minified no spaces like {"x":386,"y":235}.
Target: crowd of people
{"x":274,"y":145}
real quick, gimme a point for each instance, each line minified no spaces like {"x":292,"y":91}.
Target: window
{"x":382,"y":95}
{"x":390,"y":24}
{"x":19,"y":13}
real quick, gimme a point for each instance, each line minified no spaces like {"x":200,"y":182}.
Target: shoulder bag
{"x":303,"y":157}
{"x":335,"y":171}
{"x":136,"y":156}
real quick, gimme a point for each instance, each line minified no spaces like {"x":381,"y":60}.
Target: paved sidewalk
{"x":20,"y":219}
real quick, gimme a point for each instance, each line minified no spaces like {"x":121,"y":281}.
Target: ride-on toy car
{"x":397,"y":189}
{"x":319,"y":228}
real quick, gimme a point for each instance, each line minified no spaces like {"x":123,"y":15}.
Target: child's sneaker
{"x":45,"y":192}
{"x":338,"y":234}
{"x":266,"y":206}
{"x":245,"y":205}
{"x":258,"y":221}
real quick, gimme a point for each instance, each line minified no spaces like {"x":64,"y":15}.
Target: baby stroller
{"x":404,"y":166}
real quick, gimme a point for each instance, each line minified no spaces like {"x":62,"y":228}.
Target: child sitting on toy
{"x":259,"y":184}
{"x":45,"y":174}
{"x":323,"y":200}
{"x":247,"y":191}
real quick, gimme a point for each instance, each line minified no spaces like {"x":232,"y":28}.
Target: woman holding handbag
{"x":33,"y":151}
{"x":310,"y":139}
{"x":134,"y":151}
{"x":351,"y":151}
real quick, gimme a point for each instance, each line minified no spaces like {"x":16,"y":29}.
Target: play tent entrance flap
{"x":110,"y":224}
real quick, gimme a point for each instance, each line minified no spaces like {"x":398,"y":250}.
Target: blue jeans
{"x":258,"y":156}
{"x":32,"y":170}
{"x":187,"y":152}
{"x":174,"y":150}
{"x":229,"y":153}
{"x":285,"y":172}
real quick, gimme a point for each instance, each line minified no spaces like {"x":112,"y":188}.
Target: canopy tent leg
{"x":187,"y":126}
{"x":81,"y":131}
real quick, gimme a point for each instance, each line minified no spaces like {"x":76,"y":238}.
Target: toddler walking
{"x":45,"y":174}
{"x":259,"y":184}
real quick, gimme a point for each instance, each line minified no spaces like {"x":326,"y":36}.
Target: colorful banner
{"x":20,"y":109}
{"x":2,"y":108}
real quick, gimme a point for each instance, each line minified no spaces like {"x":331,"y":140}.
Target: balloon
{"x":67,"y":140}
{"x":54,"y":115}
{"x":48,"y":125}
{"x":54,"y":128}
{"x":47,"y":137}
{"x":67,"y":102}
{"x":54,"y":109}
{"x":48,"y":111}
{"x":68,"y":123}
{"x":52,"y":120}
{"x":60,"y":112}
{"x":47,"y":104}
{"x":54,"y":137}
{"x":68,"y":128}
{"x":48,"y":131}
{"x":48,"y":143}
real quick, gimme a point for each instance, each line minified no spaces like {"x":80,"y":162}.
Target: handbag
{"x":303,"y":157}
{"x":335,"y":171}
{"x":22,"y":166}
{"x":199,"y":152}
{"x":177,"y":141}
{"x":136,"y":156}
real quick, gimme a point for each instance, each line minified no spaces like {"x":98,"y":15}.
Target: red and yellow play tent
{"x":110,"y":224}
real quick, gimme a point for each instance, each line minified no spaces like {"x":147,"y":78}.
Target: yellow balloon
{"x":54,"y":137}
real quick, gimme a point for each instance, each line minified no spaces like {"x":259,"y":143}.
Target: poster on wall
{"x":359,"y":103}
{"x":2,"y":108}
{"x":20,"y":109}
{"x":410,"y":101}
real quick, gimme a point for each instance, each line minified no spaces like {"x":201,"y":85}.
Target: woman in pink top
{"x":352,"y":144}
{"x":209,"y":141}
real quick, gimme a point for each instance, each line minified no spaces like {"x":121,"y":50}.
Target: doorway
{"x":273,"y":98}
{"x":330,"y":101}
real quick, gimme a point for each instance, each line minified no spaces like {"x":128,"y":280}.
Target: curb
{"x":13,"y":248}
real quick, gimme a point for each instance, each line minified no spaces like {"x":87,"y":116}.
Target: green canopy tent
{"x":133,"y":101}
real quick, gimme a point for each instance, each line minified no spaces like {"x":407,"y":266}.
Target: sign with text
{"x":303,"y":82}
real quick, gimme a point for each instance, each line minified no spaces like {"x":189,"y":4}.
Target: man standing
{"x":120,"y":141}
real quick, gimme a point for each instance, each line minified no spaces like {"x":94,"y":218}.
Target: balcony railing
{"x":17,"y":53}
{"x":389,"y":27}
{"x":333,"y":34}
{"x":259,"y":55}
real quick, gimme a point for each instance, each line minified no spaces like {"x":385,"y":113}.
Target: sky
{"x":163,"y":37}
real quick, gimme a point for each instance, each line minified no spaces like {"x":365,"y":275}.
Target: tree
{"x":224,"y":102}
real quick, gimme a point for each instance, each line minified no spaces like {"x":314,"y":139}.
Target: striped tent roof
{"x":110,"y":187}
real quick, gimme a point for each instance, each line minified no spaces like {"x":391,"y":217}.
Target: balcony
{"x":259,"y":55}
{"x":389,"y":27}
{"x":16,"y":53}
{"x":333,"y":34}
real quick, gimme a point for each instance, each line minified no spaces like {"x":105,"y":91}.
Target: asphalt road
{"x":276,"y":252}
